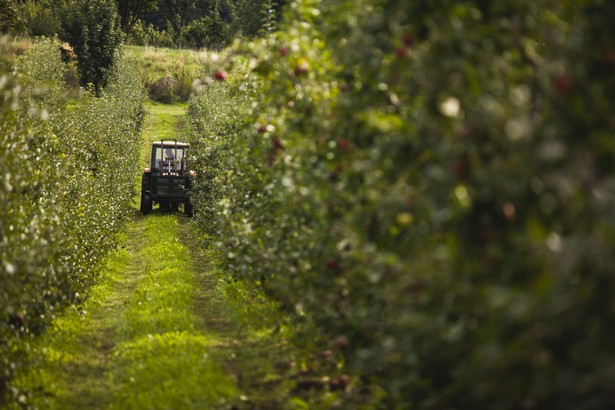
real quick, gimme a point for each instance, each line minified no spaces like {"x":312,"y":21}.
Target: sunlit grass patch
{"x":18,"y":46}
{"x":161,"y":303}
{"x":160,"y":61}
{"x":163,"y":361}
{"x":257,"y":344}
{"x":166,"y":120}
{"x":169,"y":371}
{"x":163,"y":121}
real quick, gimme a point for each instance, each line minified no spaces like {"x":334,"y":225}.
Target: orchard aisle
{"x":137,"y":322}
{"x":161,"y":330}
{"x":136,"y":342}
{"x":165,"y":330}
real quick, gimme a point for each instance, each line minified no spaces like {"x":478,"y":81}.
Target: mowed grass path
{"x":137,"y":342}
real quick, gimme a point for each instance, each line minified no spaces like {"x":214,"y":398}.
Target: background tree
{"x":92,"y":29}
{"x":269,"y":16}
{"x":9,"y":20}
{"x":212,"y":23}
{"x":39,"y":18}
{"x":131,"y":10}
{"x":252,"y":16}
{"x":172,"y":15}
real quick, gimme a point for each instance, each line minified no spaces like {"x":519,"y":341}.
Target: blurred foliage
{"x":203,"y":24}
{"x":147,"y":35}
{"x":431,"y":186}
{"x":67,"y":180}
{"x":9,"y":17}
{"x":213,"y":23}
{"x":130,"y":10}
{"x":38,"y":18}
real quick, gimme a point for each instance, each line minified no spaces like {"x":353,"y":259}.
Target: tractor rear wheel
{"x":146,"y":203}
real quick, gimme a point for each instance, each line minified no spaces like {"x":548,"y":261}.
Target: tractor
{"x":167,"y":181}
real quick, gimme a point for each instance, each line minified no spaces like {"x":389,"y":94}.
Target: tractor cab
{"x":167,"y":180}
{"x":169,"y":158}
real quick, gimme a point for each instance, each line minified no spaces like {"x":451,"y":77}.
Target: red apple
{"x":221,"y":75}
{"x":341,"y":341}
{"x":562,"y":84}
{"x":277,"y":144}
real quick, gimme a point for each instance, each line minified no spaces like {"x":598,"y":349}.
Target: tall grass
{"x":166,"y":74}
{"x":16,"y":46}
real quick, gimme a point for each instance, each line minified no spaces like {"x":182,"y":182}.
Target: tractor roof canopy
{"x":169,"y":143}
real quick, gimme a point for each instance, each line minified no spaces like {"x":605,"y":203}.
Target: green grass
{"x":259,"y":345}
{"x":163,"y":121}
{"x":136,"y":343}
{"x":162,"y":361}
{"x":68,"y":362}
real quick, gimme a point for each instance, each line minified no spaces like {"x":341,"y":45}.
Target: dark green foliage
{"x":176,"y":14}
{"x":256,"y":17}
{"x":9,"y":17}
{"x":130,"y":10}
{"x":147,"y":35}
{"x":67,"y":178}
{"x":92,"y":29}
{"x":210,"y":24}
{"x":209,"y":32}
{"x":197,"y":25}
{"x":39,"y":18}
{"x":431,"y":186}
{"x":270,"y":16}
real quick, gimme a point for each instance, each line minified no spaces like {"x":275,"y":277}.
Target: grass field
{"x":163,"y":121}
{"x":158,"y":62}
{"x":167,"y":74}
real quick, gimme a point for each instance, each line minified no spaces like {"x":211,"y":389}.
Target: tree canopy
{"x":169,"y":23}
{"x":91,"y":27}
{"x":131,"y":10}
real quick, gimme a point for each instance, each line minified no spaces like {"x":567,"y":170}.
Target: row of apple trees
{"x":66,"y":179}
{"x":432,"y":187}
